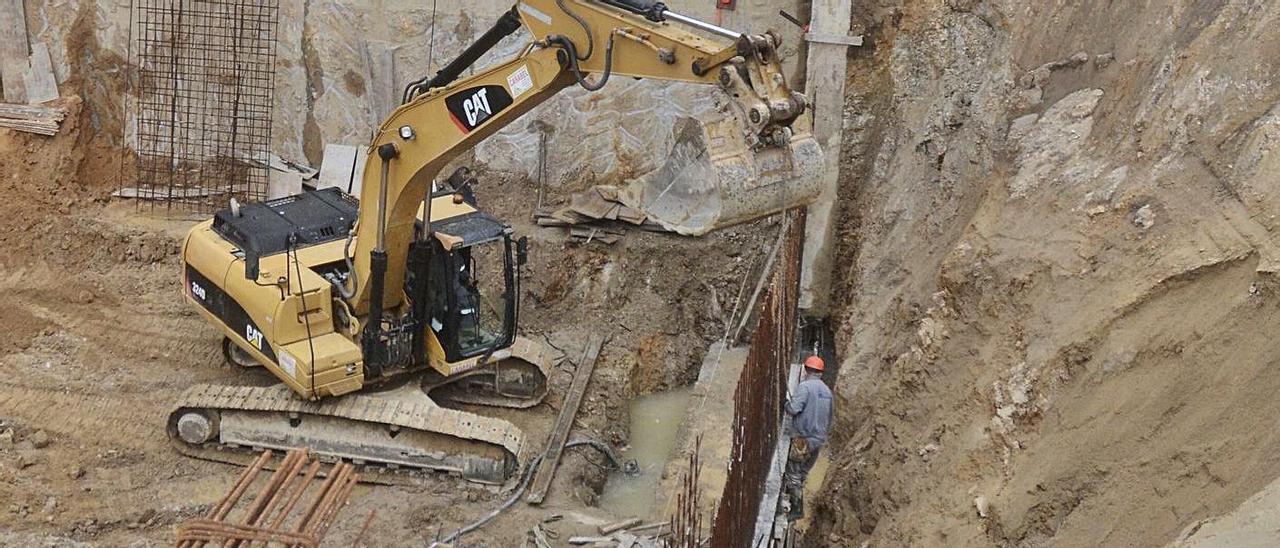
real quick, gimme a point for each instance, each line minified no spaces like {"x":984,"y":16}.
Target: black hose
{"x":567,"y":44}
{"x":302,"y":295}
{"x":524,"y":485}
{"x":604,"y":448}
{"x":591,"y":41}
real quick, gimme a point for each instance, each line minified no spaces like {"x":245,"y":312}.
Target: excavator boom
{"x":756,"y":156}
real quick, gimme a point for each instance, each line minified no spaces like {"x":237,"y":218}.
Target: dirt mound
{"x":1058,"y":273}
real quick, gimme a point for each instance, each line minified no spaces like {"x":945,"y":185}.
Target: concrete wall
{"x":342,"y":65}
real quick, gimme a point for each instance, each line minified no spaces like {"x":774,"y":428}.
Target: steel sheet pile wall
{"x":205,"y":82}
{"x":760,"y":396}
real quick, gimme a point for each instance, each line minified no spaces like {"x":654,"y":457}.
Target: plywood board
{"x":283,"y":183}
{"x":14,"y":54}
{"x":40,"y":83}
{"x":357,"y":176}
{"x":337,"y":167}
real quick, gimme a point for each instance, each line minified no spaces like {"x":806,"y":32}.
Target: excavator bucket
{"x":713,"y":178}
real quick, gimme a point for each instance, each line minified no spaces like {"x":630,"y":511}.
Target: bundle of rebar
{"x":266,"y":517}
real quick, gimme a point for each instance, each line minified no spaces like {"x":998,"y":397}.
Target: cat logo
{"x":477,"y":108}
{"x":472,"y":107}
{"x":254,"y":336}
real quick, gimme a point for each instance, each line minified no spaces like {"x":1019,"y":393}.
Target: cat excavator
{"x":374,"y":312}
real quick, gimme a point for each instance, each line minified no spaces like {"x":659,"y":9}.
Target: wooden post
{"x":555,"y":445}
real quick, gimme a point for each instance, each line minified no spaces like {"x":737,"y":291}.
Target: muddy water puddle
{"x":655,"y":420}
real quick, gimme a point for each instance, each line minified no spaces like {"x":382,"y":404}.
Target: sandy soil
{"x":1058,"y":273}
{"x":96,"y":343}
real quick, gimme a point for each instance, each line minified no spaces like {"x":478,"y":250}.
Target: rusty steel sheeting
{"x":263,"y":521}
{"x":761,"y":395}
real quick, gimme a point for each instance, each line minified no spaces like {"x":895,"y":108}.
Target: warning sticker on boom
{"x":520,"y":81}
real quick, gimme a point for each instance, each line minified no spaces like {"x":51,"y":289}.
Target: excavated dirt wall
{"x":1057,"y":272}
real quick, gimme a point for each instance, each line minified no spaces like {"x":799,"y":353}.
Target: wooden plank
{"x":42,"y":128}
{"x":29,"y":112}
{"x":611,"y":528}
{"x":39,"y":80}
{"x":14,"y":54}
{"x":564,"y":424}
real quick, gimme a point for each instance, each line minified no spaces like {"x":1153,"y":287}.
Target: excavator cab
{"x":470,"y":285}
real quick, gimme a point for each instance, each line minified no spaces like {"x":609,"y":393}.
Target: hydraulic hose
{"x":572,"y":50}
{"x":591,"y":40}
{"x":519,"y":492}
{"x":352,"y":275}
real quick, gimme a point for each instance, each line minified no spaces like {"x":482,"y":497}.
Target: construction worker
{"x":810,"y":410}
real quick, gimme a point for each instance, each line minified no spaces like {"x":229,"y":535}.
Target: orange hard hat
{"x":815,"y":363}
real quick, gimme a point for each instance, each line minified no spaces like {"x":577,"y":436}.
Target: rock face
{"x":343,"y":65}
{"x":1057,"y":270}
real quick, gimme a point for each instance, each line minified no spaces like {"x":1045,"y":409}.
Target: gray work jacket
{"x":810,"y":410}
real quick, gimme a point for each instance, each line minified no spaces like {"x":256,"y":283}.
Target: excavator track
{"x":396,"y":435}
{"x":516,"y":377}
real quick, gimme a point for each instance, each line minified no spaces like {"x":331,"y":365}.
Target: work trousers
{"x":798,"y":468}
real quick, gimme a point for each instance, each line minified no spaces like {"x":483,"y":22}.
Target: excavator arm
{"x":759,"y":146}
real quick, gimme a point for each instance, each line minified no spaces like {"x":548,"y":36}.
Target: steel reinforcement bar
{"x":761,"y":394}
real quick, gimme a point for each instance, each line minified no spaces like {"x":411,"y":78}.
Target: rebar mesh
{"x":204,"y":88}
{"x":760,"y":396}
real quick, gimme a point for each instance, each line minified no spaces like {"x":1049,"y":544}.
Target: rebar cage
{"x":204,"y":97}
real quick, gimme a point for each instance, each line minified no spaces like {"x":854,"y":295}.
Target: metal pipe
{"x":265,"y":495}
{"x":297,"y":495}
{"x":281,"y":492}
{"x":700,"y":25}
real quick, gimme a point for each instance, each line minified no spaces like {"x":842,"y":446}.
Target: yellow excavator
{"x":370,"y":311}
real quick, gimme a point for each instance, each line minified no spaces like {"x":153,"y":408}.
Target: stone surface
{"x":342,"y":64}
{"x":40,"y":439}
{"x":1071,"y":301}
